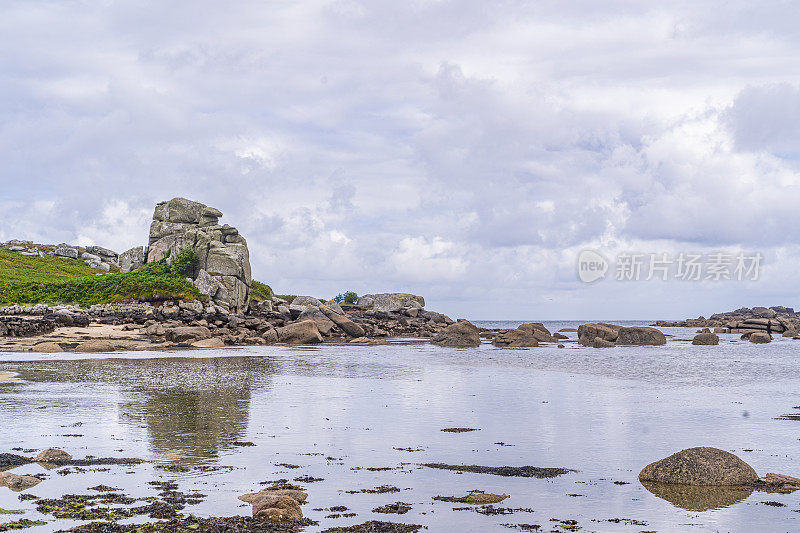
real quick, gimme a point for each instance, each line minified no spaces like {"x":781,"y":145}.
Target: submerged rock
{"x":700,"y":466}
{"x":507,"y":471}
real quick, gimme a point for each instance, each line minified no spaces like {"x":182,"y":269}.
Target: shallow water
{"x":337,"y":411}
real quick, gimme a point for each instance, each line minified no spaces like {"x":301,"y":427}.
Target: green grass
{"x":260,"y":292}
{"x":51,"y":280}
{"x":17,"y":267}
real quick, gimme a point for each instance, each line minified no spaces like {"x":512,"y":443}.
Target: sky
{"x":465,"y":151}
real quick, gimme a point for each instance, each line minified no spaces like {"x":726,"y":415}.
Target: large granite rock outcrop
{"x":393,"y":302}
{"x":223,"y":268}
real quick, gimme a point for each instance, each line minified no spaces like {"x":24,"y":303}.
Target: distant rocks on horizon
{"x":777,"y":319}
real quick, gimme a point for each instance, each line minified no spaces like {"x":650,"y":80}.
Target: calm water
{"x":336,"y":411}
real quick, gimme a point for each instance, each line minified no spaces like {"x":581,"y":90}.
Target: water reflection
{"x":189,"y":407}
{"x":698,"y":498}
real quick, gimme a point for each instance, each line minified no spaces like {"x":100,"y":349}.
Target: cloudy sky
{"x":466,"y":151}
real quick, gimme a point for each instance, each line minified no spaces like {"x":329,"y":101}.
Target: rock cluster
{"x":25,"y":327}
{"x":602,"y":335}
{"x":223,"y":268}
{"x":276,"y":504}
{"x":777,"y":319}
{"x":95,"y":256}
{"x":394,"y":302}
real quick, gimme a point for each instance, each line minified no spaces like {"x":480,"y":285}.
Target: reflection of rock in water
{"x":698,"y":497}
{"x":193,"y":407}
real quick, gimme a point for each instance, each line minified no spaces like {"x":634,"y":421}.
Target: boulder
{"x":222,"y":271}
{"x":708,"y":339}
{"x":700,"y":466}
{"x":640,"y":336}
{"x":95,"y":346}
{"x":52,"y":455}
{"x":65,"y":250}
{"x":537,"y":330}
{"x":392,"y":302}
{"x":304,"y":332}
{"x":515,"y":338}
{"x":306,"y":300}
{"x":277,"y":509}
{"x":187,"y":333}
{"x":600,"y":342}
{"x":276,"y":505}
{"x":213,"y":342}
{"x":344,"y":323}
{"x":334,"y":306}
{"x":462,"y":334}
{"x":297,"y":495}
{"x":47,"y":347}
{"x":17,"y":482}
{"x":760,"y":337}
{"x":588,"y":332}
{"x":324,"y":324}
{"x":132,"y":259}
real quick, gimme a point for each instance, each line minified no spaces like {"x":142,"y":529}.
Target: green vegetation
{"x":185,"y":262}
{"x":348,"y":297}
{"x":39,"y":281}
{"x":260,"y":292}
{"x":16,"y":267}
{"x":11,"y":511}
{"x":21,"y":524}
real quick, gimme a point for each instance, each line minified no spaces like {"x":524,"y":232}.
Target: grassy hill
{"x":53,"y":280}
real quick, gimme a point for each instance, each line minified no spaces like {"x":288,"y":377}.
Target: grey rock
{"x":222,"y":252}
{"x":344,"y":323}
{"x":65,"y":250}
{"x":392,"y":302}
{"x":304,"y":332}
{"x":306,"y":300}
{"x":324,"y":324}
{"x":132,"y":259}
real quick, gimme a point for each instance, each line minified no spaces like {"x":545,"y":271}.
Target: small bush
{"x":185,"y":262}
{"x":348,"y":297}
{"x":260,"y":292}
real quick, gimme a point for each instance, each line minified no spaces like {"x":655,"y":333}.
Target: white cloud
{"x":462,"y":151}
